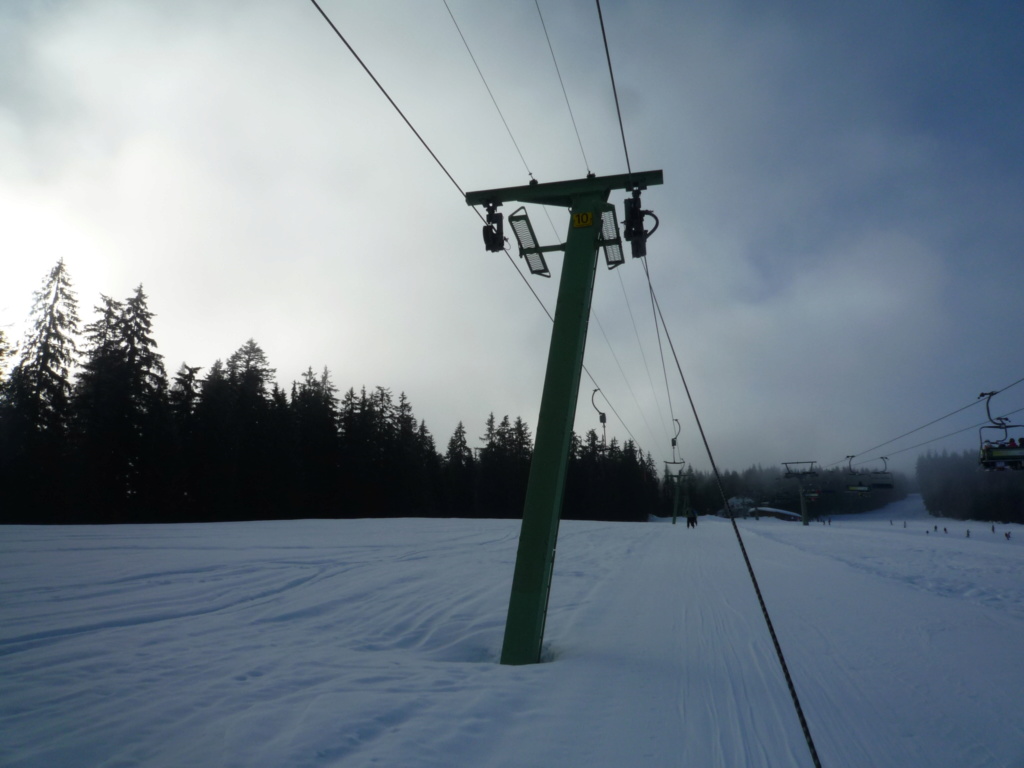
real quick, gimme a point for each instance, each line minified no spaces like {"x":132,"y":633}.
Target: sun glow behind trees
{"x":98,"y":434}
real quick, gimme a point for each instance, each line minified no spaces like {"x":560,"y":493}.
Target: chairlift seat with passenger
{"x":1004,"y":452}
{"x":857,"y":482}
{"x":999,"y":457}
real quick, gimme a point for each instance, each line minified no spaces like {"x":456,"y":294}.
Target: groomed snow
{"x":375,"y":642}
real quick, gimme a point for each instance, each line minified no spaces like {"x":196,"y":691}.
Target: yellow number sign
{"x":585,"y":219}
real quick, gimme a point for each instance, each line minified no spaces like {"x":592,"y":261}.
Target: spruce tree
{"x":122,"y":426}
{"x":183,"y":400}
{"x":213,"y":461}
{"x":314,"y":406}
{"x":459,"y":470}
{"x":102,"y":420}
{"x":249,"y":371}
{"x":250,"y":375}
{"x":148,"y":412}
{"x":148,"y":378}
{"x":458,"y":453}
{"x":184,"y":394}
{"x":36,"y":408}
{"x":48,"y":355}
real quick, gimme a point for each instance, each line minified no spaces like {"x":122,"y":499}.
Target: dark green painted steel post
{"x":531,"y":583}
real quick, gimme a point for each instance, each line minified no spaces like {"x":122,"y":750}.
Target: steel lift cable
{"x":545,"y":208}
{"x":629,"y":170}
{"x":426,"y":146}
{"x":546,"y":211}
{"x":586,"y":162}
{"x":489,"y":93}
{"x":562,"y":83}
{"x":750,"y":568}
{"x":615,"y":92}
{"x":624,"y":378}
{"x":661,"y":350}
{"x":924,"y":426}
{"x":972,"y":428}
{"x":387,"y":96}
{"x":707,"y":447}
{"x":643,"y":355}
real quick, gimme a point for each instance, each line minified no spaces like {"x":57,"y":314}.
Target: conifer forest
{"x":94,"y":430}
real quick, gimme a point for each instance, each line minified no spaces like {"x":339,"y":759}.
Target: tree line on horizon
{"x":101,"y":434}
{"x":826,"y":494}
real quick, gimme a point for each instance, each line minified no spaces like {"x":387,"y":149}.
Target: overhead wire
{"x":971,"y":404}
{"x":629,"y":169}
{"x":387,"y":96}
{"x":661,"y":350}
{"x":586,"y":162}
{"x":494,"y":101}
{"x":615,"y":92}
{"x":562,"y":83}
{"x":643,"y":355}
{"x":489,"y":93}
{"x":943,"y":437}
{"x":424,"y":143}
{"x":707,"y":447}
{"x":750,"y":570}
{"x":905,"y":434}
{"x":625,"y":378}
{"x":743,"y":549}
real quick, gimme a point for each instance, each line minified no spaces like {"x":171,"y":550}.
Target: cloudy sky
{"x":839,"y":259}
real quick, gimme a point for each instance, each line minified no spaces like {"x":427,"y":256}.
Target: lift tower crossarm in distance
{"x":531,"y":582}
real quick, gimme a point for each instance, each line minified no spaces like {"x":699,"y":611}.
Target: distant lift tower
{"x":678,"y":479}
{"x":593,"y":224}
{"x":801,"y":476}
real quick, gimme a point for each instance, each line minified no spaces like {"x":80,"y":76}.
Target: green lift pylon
{"x":677,"y":481}
{"x":587,"y":201}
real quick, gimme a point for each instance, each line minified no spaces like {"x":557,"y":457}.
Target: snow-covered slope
{"x":373,"y":642}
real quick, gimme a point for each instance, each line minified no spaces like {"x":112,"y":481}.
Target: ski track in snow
{"x":375,"y":642}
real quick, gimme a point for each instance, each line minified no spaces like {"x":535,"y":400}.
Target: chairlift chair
{"x":604,"y":421}
{"x":996,"y":452}
{"x":676,"y":461}
{"x":856,"y":481}
{"x":882,"y":479}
